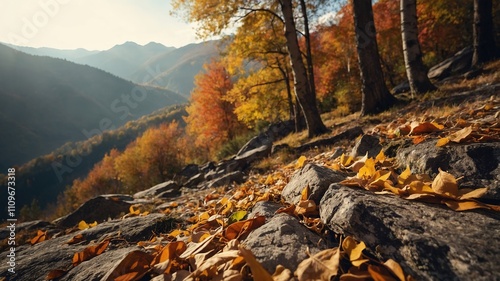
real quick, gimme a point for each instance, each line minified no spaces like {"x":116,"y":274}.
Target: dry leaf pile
{"x":207,"y":246}
{"x":469,"y":123}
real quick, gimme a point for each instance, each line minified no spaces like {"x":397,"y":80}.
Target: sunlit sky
{"x":92,"y":24}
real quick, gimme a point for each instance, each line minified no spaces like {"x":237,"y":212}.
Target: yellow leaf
{"x":445,"y":184}
{"x":442,"y":142}
{"x":404,"y":175}
{"x":357,"y":251}
{"x":258,"y":272}
{"x":83,"y":225}
{"x":358,"y":263}
{"x":380,"y":156}
{"x":300,"y":162}
{"x":476,"y":193}
{"x":368,"y":170}
{"x":94,"y":224}
{"x":133,"y":211}
{"x":305,"y":193}
{"x":395,"y":268}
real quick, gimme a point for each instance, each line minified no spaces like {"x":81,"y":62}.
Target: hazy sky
{"x":91,"y":24}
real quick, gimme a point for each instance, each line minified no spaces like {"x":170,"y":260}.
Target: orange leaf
{"x":442,"y":142}
{"x":40,"y":237}
{"x":132,"y":267}
{"x":171,"y":251}
{"x":380,"y":273}
{"x":241,"y":228}
{"x":90,"y":252}
{"x":465,"y":205}
{"x":76,"y":239}
{"x":418,"y":128}
{"x":56,"y":273}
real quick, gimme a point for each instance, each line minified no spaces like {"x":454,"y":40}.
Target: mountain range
{"x":151,"y":64}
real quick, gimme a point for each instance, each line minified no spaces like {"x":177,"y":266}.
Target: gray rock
{"x":317,"y":177}
{"x":457,"y":64}
{"x":478,"y":163}
{"x":430,"y":242}
{"x":99,"y":209}
{"x":194,"y":181}
{"x":283,"y":240}
{"x":227,"y":179}
{"x":35,"y":262}
{"x":401,"y":88}
{"x":189,"y":171}
{"x":170,"y":186}
{"x":264,"y":208}
{"x":367,"y":143}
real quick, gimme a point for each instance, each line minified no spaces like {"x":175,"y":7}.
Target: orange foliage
{"x":211,"y":119}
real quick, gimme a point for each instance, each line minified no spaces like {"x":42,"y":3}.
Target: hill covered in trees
{"x":46,"y":102}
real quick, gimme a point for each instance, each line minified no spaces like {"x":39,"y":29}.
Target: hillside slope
{"x":46,"y":102}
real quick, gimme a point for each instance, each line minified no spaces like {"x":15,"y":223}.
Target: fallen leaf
{"x":236,"y":216}
{"x":258,"y":272}
{"x":90,"y":252}
{"x":460,"y":135}
{"x":418,"y":128}
{"x":56,"y":273}
{"x":76,"y":239}
{"x":320,"y":266}
{"x":241,"y":228}
{"x":132,"y":267}
{"x":40,"y":237}
{"x":282,"y":274}
{"x":380,"y":274}
{"x":442,"y":142}
{"x":395,"y":268}
{"x":300,"y":162}
{"x":445,"y":184}
{"x":476,"y":193}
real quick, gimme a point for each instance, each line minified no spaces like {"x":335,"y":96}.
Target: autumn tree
{"x":484,"y":40}
{"x":211,"y":118}
{"x":415,"y":68}
{"x":216,"y":16}
{"x":257,"y":56}
{"x":375,"y":96}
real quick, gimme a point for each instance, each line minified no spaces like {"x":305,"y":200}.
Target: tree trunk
{"x":307,"y":35}
{"x":415,"y":68}
{"x":375,"y":96}
{"x":305,"y":97}
{"x":484,"y":41}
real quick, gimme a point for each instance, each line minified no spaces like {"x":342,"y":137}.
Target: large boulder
{"x":168,"y":188}
{"x":318,"y":179}
{"x":477,"y":163}
{"x":35,"y":262}
{"x":100,"y":208}
{"x":430,"y":242}
{"x":457,"y":64}
{"x":283,"y":240}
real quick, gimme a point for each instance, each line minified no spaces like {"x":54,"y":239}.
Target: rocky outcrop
{"x":100,"y":208}
{"x":430,"y":241}
{"x":166,"y":189}
{"x":283,"y":240}
{"x":35,"y":262}
{"x":457,"y":64}
{"x":477,"y":163}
